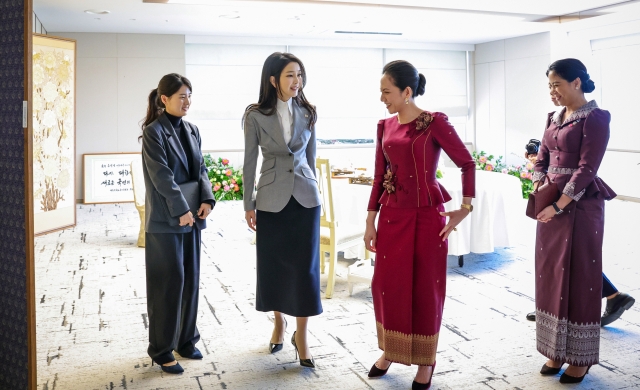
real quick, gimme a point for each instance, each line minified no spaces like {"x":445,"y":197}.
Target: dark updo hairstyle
{"x":268,"y":96}
{"x":168,"y":85}
{"x":404,"y":75}
{"x":570,"y":69}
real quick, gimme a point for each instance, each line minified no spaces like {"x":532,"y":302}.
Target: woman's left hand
{"x":455,"y":217}
{"x":546,"y":214}
{"x":204,"y":210}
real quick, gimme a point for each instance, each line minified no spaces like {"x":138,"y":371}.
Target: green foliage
{"x":522,"y":172}
{"x":225,"y":179}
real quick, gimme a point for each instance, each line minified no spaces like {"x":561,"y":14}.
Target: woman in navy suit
{"x":285,"y":210}
{"x":177,"y":202}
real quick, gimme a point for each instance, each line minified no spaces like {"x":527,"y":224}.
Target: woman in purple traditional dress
{"x":570,"y":231}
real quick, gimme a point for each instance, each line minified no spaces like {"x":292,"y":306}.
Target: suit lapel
{"x":300,"y":121}
{"x":193,"y":144}
{"x":271,"y":125}
{"x":172,"y":137}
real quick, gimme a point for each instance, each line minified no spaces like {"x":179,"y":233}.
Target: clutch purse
{"x":191,"y":193}
{"x":546,"y":193}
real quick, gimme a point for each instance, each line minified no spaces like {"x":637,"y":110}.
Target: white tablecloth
{"x":492,"y":224}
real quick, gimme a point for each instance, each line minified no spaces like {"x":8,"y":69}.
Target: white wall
{"x":342,"y":82}
{"x":610,"y":48}
{"x":511,"y":95}
{"x":115,"y":73}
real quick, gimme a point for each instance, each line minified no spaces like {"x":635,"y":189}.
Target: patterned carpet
{"x":92,"y":324}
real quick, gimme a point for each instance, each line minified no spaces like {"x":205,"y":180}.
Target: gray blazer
{"x":164,"y":165}
{"x":286,"y":169}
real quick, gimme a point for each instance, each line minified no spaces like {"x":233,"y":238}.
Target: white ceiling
{"x":437,"y":21}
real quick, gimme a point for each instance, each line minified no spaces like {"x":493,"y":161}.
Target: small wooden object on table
{"x":361,"y":180}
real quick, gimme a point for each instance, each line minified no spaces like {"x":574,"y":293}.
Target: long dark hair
{"x":404,"y":75}
{"x":268,"y":98}
{"x":168,"y":85}
{"x":570,"y":69}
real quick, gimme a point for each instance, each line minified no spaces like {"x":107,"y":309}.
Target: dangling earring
{"x":406,"y":100}
{"x":577,"y":87}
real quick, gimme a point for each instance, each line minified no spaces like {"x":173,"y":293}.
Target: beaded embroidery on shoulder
{"x":580,"y":113}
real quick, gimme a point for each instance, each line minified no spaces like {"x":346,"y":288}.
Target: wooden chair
{"x":334,"y":236}
{"x":139,"y":190}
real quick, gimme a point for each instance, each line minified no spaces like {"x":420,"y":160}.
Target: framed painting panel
{"x":54,"y":132}
{"x":107,"y":177}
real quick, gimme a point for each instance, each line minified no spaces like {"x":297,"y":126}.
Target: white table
{"x":496,"y":216}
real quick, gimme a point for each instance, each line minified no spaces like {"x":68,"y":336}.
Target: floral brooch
{"x":389,"y":181}
{"x":423,"y":120}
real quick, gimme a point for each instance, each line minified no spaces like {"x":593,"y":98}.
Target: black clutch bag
{"x":191,"y":193}
{"x":546,"y":193}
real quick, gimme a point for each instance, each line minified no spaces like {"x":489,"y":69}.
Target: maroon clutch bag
{"x":546,"y":193}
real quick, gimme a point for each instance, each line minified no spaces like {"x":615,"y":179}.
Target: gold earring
{"x":406,"y":101}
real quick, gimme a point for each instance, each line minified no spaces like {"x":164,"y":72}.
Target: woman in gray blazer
{"x":284,"y":208}
{"x":177,"y":202}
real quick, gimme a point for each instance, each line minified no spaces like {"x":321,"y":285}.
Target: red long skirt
{"x":409,"y":283}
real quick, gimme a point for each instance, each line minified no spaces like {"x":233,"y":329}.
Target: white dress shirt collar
{"x":286,"y":118}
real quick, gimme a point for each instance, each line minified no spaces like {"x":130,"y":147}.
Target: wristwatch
{"x":558,"y":209}
{"x":467,"y":206}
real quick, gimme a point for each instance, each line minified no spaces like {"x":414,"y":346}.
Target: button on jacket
{"x":288,"y":169}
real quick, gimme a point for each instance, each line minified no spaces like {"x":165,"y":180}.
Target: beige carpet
{"x":92,"y":325}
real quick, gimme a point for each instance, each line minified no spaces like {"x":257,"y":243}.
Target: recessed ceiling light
{"x":96,"y":11}
{"x":232,"y":15}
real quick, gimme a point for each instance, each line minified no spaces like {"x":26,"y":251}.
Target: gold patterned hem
{"x":407,"y":349}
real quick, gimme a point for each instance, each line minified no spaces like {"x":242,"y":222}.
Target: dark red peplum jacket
{"x":412,"y":152}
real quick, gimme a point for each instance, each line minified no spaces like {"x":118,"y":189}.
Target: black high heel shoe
{"x":196,"y":354}
{"x":376,"y":372}
{"x":175,"y":369}
{"x":546,"y":370}
{"x":423,"y":386}
{"x":303,"y":362}
{"x":273,"y":348}
{"x":564,"y":378}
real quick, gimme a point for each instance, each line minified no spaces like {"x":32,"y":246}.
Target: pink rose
{"x":529,"y":166}
{"x":226,"y":188}
{"x":216,"y":188}
{"x":518,"y":167}
{"x":488,"y":167}
{"x":225,"y":161}
{"x":523,"y":175}
{"x":482,"y":159}
{"x":529,"y":175}
{"x":228,"y":172}
{"x":505,"y":170}
{"x":233,"y":181}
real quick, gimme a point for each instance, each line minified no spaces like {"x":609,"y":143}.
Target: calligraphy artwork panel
{"x":107,"y":177}
{"x":54,"y":133}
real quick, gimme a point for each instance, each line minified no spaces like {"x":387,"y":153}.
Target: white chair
{"x":359,"y":272}
{"x":334,"y":236}
{"x":137,"y":180}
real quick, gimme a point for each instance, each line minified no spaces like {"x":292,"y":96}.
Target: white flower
{"x":49,"y":119}
{"x":38,"y":75}
{"x":63,"y":108}
{"x":64,"y":179}
{"x":51,"y":167}
{"x":49,"y":59}
{"x":50,"y":92}
{"x":224,"y":183}
{"x":50,"y":147}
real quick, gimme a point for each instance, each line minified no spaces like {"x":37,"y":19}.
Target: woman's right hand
{"x":370,"y":237}
{"x":250,"y":216}
{"x":186,"y":219}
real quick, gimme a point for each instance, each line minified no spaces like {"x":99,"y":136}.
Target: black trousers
{"x":173,"y":276}
{"x":607,"y":287}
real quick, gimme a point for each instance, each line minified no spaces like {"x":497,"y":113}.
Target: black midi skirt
{"x":288,"y":255}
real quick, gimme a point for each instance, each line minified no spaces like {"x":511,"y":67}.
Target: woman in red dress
{"x":569,"y":232}
{"x":409,"y":278}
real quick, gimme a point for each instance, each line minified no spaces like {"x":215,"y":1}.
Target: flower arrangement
{"x":225,"y":179}
{"x":524,"y":172}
